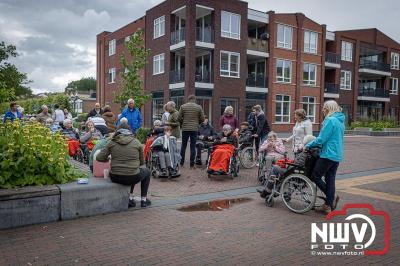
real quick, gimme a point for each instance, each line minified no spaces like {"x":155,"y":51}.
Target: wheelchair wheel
{"x":298,"y":193}
{"x":247,"y":157}
{"x":260,"y":173}
{"x":269,"y":201}
{"x":79,"y":156}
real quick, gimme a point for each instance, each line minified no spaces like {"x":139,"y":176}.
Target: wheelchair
{"x":295,"y":187}
{"x":153,"y":164}
{"x":233,"y":168}
{"x":247,"y":155}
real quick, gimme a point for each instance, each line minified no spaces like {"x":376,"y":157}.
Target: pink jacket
{"x":276,"y":152}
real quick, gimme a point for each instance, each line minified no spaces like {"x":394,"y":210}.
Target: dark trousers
{"x":327,"y":168}
{"x":258,"y":141}
{"x":200,"y":145}
{"x":131,"y":180}
{"x":185,"y":138}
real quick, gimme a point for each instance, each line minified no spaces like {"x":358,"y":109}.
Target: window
{"x":111,"y":47}
{"x":309,"y":106}
{"x":282,"y":108}
{"x":310,"y":74}
{"x":157,"y":108}
{"x":229,"y":64}
{"x":178,"y":100}
{"x":394,"y":61}
{"x":310,"y":42}
{"x":159,"y":27}
{"x":347,"y":51}
{"x":394,"y":88}
{"x":158,"y":64}
{"x":345,"y":80}
{"x":285,"y":36}
{"x":230,"y":25}
{"x":229,"y":102}
{"x":111,"y":75}
{"x":283,"y":70}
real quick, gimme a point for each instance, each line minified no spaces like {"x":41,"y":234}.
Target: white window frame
{"x":310,"y":82}
{"x":309,"y":47}
{"x":394,"y":60}
{"x":230,"y":72}
{"x":229,"y":33}
{"x":281,"y":115}
{"x":343,"y":81}
{"x":283,"y":79}
{"x":347,"y":51}
{"x":305,"y":100}
{"x":159,"y":27}
{"x":158,"y":64}
{"x":111,"y":72}
{"x":394,"y":89}
{"x":285,"y":44}
{"x":112,"y":47}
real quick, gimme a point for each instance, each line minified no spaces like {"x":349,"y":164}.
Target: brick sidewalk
{"x":245,"y":234}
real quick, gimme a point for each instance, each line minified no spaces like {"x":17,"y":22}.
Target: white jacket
{"x":300,"y":130}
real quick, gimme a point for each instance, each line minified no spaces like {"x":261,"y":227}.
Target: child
{"x":277,"y":171}
{"x":166,"y":148}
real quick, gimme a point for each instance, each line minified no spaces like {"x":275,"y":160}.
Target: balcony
{"x":256,"y":83}
{"x":257,"y":47}
{"x":204,"y":34}
{"x":177,"y":39}
{"x":373,"y":94}
{"x":177,"y":76}
{"x":203,"y":77}
{"x":331,"y":90}
{"x":332,"y":60}
{"x":373,"y":68}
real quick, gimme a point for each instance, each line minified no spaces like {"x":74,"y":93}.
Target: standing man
{"x":96,"y":111}
{"x":13,"y":113}
{"x":262,"y":127}
{"x":190,"y":116}
{"x":173,"y":121}
{"x":58,"y":114}
{"x":43,"y":115}
{"x":133,"y":115}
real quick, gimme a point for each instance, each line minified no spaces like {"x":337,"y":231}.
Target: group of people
{"x":190,"y":124}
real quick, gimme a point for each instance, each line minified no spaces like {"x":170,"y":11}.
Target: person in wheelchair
{"x":206,"y":135}
{"x":279,"y":170}
{"x":222,"y":150}
{"x":246,"y":134}
{"x":156,"y":131}
{"x":273,"y":146}
{"x":72,"y":137}
{"x":166,"y":149}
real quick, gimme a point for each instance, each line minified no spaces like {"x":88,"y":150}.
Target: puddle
{"x":215,"y":205}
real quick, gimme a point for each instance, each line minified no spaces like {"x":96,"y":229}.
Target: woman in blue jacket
{"x":330,"y":139}
{"x":133,"y":115}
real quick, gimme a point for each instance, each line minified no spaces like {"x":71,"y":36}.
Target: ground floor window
{"x":177,"y":96}
{"x":346,"y":109}
{"x":205,"y":103}
{"x":253,"y":99}
{"x":157,"y":108}
{"x":309,"y":105}
{"x":229,"y":102}
{"x":393,"y":111}
{"x":282,"y":108}
{"x":370,"y":110}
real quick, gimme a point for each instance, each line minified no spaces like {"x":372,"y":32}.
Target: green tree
{"x":132,"y":86}
{"x":12,"y":82}
{"x":84,"y":84}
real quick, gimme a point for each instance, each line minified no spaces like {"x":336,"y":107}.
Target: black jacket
{"x":94,"y":113}
{"x":206,"y":131}
{"x":262,"y":127}
{"x":246,"y":136}
{"x":230,"y":139}
{"x":251,"y":119}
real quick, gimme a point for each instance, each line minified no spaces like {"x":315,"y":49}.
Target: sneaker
{"x":164,"y":173}
{"x":335,"y":202}
{"x":324,"y":209}
{"x":131,"y":203}
{"x":145,"y":203}
{"x":198,"y":162}
{"x":263,"y":192}
{"x":174,"y":174}
{"x":210,"y":171}
{"x":221,"y":172}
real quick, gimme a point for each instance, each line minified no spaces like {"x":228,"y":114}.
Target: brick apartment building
{"x":228,"y":54}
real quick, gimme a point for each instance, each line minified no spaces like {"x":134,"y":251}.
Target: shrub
{"x":376,"y":125}
{"x":81,"y":117}
{"x":32,"y":155}
{"x":142,"y":133}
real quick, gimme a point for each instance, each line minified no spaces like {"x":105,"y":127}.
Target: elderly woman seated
{"x":223,"y":149}
{"x":166,"y":148}
{"x":91,"y":136}
{"x":72,"y":137}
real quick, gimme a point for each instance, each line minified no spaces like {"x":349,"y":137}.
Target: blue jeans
{"x":185,"y":138}
{"x":327,"y":168}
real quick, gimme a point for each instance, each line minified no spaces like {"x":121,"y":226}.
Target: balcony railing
{"x":373,"y":92}
{"x":258,"y":81}
{"x":374,"y":65}
{"x":257,"y":45}
{"x":204,"y":76}
{"x":204,"y":34}
{"x":177,"y":36}
{"x":332,"y":58}
{"x":177,"y":76}
{"x":331,"y":88}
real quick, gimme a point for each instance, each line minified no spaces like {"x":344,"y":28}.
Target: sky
{"x":56,"y":39}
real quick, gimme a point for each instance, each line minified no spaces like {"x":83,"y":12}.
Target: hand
{"x":210,"y":138}
{"x":201,"y":137}
{"x":284,"y":140}
{"x":92,"y":129}
{"x":223,"y":139}
{"x":255,"y":135}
